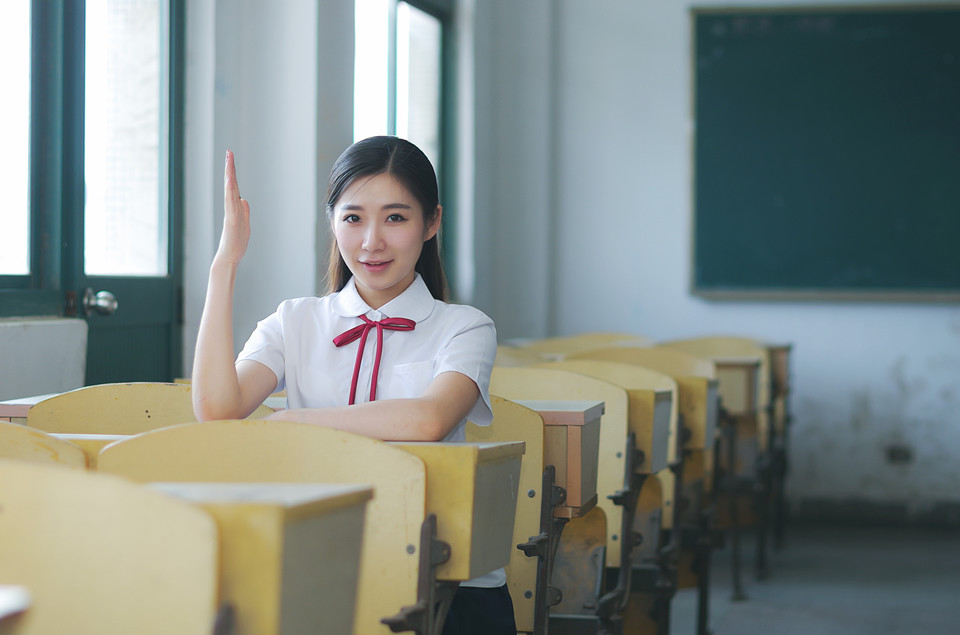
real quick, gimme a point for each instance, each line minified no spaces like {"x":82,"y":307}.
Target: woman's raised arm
{"x":219,"y":391}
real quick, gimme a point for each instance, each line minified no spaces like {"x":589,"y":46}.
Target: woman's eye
{"x":351,"y":218}
{"x":396,"y":218}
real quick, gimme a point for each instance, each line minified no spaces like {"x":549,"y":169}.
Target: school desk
{"x":289,"y":552}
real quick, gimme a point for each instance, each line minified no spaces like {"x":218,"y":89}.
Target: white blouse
{"x":296,"y":343}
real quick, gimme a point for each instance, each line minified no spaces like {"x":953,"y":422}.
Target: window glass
{"x":418,"y":79}
{"x":125,"y":228}
{"x":371,"y":68}
{"x":15,"y":133}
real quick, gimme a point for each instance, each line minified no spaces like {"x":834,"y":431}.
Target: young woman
{"x":382,"y":354}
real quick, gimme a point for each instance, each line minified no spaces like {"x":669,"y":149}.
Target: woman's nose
{"x":372,"y":238}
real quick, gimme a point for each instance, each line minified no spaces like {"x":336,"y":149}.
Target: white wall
{"x":272,"y":81}
{"x":601,"y":241}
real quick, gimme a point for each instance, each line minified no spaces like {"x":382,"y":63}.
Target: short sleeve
{"x":471,"y":352}
{"x":265,"y":345}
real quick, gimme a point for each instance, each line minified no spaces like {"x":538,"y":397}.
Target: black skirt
{"x":480,"y":611}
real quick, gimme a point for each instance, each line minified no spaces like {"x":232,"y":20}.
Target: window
{"x":88,"y":144}
{"x":14,"y":126}
{"x":402,"y":85}
{"x":398,"y":74}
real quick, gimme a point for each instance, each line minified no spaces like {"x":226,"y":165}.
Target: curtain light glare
{"x":15,"y":132}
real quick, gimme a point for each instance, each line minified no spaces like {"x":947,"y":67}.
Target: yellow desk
{"x":572,"y":446}
{"x":289,"y":552}
{"x":472,"y":489}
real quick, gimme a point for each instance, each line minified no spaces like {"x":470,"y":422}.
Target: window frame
{"x":56,"y":157}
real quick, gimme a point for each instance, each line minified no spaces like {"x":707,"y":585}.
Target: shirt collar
{"x":415,"y":303}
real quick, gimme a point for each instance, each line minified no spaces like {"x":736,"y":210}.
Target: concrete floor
{"x":838,"y":581}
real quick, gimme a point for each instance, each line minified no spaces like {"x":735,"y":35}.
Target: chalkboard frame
{"x":747,"y":288}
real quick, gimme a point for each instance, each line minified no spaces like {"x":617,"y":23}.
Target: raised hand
{"x":236,"y":217}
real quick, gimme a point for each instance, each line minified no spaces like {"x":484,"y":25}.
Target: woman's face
{"x":380,"y":231}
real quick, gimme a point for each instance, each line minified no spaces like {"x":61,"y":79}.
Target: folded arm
{"x":430,"y":417}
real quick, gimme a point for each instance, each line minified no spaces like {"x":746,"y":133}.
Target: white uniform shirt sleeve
{"x":265,"y":345}
{"x":471,"y":352}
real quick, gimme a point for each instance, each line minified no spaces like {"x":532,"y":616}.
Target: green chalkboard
{"x":827,"y":152}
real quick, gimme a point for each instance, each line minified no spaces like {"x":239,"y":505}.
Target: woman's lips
{"x":375,"y":266}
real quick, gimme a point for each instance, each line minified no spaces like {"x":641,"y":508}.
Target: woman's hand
{"x":236,"y":217}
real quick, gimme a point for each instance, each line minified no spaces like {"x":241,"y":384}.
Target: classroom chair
{"x":558,"y":482}
{"x":281,"y":452}
{"x":744,"y":370}
{"x":698,"y":412}
{"x":127,"y":408}
{"x":651,"y":577}
{"x":556,"y":348}
{"x":98,"y":554}
{"x":27,"y":444}
{"x":604,"y":539}
{"x":411,"y":563}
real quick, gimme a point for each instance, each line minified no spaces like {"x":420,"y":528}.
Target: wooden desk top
{"x":565,"y":413}
{"x":298,"y":500}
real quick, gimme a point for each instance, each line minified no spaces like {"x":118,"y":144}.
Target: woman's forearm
{"x":430,"y":417}
{"x":216,"y":387}
{"x":388,"y":420}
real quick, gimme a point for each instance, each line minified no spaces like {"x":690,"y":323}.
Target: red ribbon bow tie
{"x":360,"y":332}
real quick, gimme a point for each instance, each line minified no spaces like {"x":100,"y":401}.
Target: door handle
{"x":104,"y":303}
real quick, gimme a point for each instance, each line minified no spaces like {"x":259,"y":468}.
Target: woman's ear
{"x":431,"y":230}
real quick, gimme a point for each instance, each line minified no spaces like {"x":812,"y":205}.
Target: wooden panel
{"x":128,"y":408}
{"x":26,"y":444}
{"x":99,"y":554}
{"x":290,"y":552}
{"x":276,"y":452}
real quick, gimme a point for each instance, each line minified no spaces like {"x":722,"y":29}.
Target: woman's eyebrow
{"x":356,"y":207}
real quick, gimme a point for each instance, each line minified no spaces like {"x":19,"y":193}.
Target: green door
{"x":122,"y":254}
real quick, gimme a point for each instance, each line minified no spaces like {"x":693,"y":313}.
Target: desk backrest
{"x":275,"y":452}
{"x":99,"y":554}
{"x":26,"y":444}
{"x":560,"y":347}
{"x":696,"y":384}
{"x":548,"y":383}
{"x":129,"y":408}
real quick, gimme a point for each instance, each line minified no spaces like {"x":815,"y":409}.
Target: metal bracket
{"x":433,"y":596}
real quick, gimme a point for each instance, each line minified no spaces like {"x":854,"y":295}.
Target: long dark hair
{"x":408,"y":164}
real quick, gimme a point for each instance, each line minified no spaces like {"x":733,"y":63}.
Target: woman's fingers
{"x":236,"y":215}
{"x":231,"y":190}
